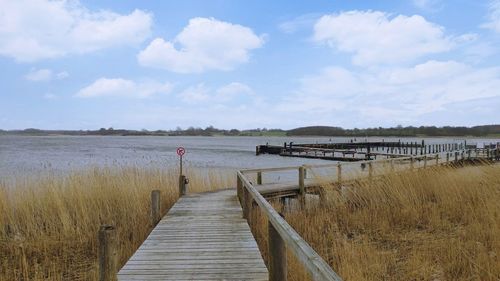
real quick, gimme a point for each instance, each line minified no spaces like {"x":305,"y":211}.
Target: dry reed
{"x":48,"y":225}
{"x":439,"y":223}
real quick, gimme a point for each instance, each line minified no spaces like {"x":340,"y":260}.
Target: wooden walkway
{"x":203,"y":237}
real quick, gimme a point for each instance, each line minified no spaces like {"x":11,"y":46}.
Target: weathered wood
{"x":277,"y":255}
{"x":182,"y":185}
{"x":259,"y":177}
{"x":302,"y":187}
{"x":203,"y":237}
{"x":312,"y":262}
{"x":339,"y":173}
{"x":107,"y":253}
{"x":155,"y":207}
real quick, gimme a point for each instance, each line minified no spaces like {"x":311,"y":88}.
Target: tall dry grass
{"x":439,"y":223}
{"x":49,"y":224}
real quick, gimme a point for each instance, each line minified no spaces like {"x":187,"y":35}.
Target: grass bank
{"x":49,"y":225}
{"x":433,"y":224}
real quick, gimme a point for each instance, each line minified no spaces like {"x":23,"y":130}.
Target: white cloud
{"x":234,"y":93}
{"x":378,"y":38}
{"x":118,"y":87}
{"x":32,"y":30}
{"x":38,"y":75}
{"x":298,"y":23}
{"x":493,"y":22}
{"x":195,"y":94}
{"x":392,"y":95}
{"x":204,"y":44}
{"x":233,"y":90}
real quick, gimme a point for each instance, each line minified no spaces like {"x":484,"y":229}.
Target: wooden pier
{"x":359,"y":151}
{"x":203,"y":237}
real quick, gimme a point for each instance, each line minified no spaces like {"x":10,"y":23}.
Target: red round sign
{"x":181,"y":151}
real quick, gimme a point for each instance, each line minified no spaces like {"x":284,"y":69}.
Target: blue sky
{"x":248,"y":64}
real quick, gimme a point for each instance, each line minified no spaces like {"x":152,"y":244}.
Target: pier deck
{"x":203,"y":237}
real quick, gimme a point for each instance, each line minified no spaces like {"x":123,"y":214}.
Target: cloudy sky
{"x":248,"y":64}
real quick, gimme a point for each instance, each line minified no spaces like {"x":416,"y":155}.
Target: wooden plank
{"x":203,"y":237}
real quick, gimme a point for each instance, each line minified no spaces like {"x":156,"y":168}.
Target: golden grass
{"x":434,"y":224}
{"x":49,"y":225}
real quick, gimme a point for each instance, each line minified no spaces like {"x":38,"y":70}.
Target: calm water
{"x":22,"y":155}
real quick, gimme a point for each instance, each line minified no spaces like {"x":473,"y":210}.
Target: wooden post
{"x":411,"y":163}
{"x":425,"y":161}
{"x":245,"y":202}
{"x":437,"y":159}
{"x":468,"y":154}
{"x":249,"y":206}
{"x":339,"y":173}
{"x":259,"y":178}
{"x":456,"y":156}
{"x":302,"y":189}
{"x":239,"y":189}
{"x":370,"y":169}
{"x":182,"y":185}
{"x":107,"y":253}
{"x":155,"y":207}
{"x":277,"y":255}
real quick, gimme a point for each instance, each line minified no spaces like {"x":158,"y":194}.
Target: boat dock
{"x":206,"y":236}
{"x":359,"y":151}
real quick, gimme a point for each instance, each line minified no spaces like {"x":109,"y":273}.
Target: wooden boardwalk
{"x":203,"y":237}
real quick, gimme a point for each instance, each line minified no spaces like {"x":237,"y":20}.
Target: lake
{"x":31,"y":155}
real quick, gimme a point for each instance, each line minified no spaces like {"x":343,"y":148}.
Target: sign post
{"x":182,"y":179}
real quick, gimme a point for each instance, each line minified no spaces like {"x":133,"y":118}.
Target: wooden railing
{"x":282,"y":236}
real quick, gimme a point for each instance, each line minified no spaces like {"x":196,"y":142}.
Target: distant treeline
{"x":486,"y":130}
{"x":191,"y":131}
{"x":397,"y":131}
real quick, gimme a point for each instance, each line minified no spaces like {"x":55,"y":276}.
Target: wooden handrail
{"x":283,"y":233}
{"x":313,"y":262}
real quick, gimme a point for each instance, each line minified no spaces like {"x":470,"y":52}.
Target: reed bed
{"x":49,"y":224}
{"x":439,"y":223}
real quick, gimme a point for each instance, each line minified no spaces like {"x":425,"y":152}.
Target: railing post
{"x":425,"y":161}
{"x":456,"y":156}
{"x":411,"y":162}
{"x":370,"y":170}
{"x":277,"y":255}
{"x":259,"y":178}
{"x":339,"y":173}
{"x":245,"y":202}
{"x":468,"y":154}
{"x":437,"y":159}
{"x":302,"y":188}
{"x":155,"y":207}
{"x":107,"y":253}
{"x":447,"y":157}
{"x":239,"y":189}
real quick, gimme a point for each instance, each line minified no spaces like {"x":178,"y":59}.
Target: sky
{"x":248,"y":64}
